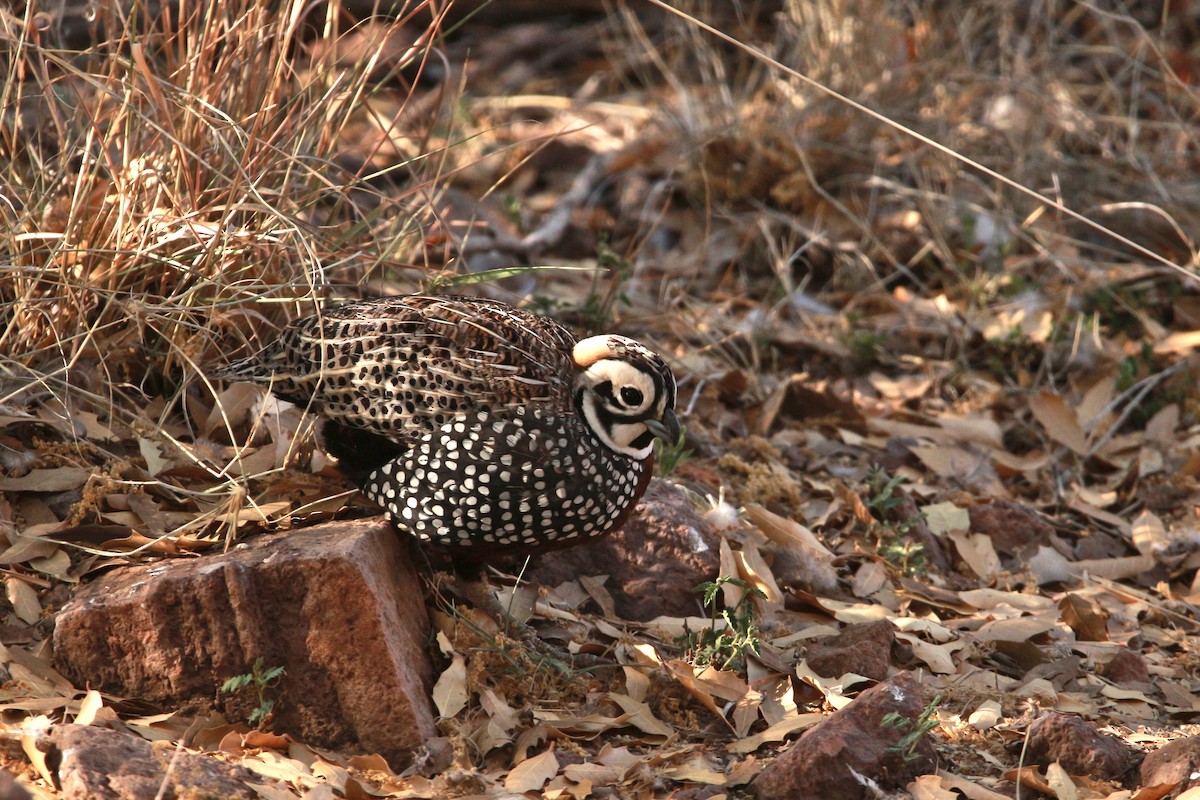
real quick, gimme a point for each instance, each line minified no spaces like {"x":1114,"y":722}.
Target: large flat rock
{"x":339,"y":605}
{"x":654,"y":561}
{"x":99,"y":764}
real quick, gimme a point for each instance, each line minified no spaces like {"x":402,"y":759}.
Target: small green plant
{"x":883,"y":491}
{"x":884,"y":504}
{"x":908,"y":556}
{"x":597,"y":307}
{"x":865,"y":346}
{"x":914,"y":730}
{"x":262,"y":679}
{"x":728,"y":646}
{"x":670,"y":456}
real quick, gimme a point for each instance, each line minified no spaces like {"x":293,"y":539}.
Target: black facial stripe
{"x":642,"y":441}
{"x":605,"y":390}
{"x":607,"y":418}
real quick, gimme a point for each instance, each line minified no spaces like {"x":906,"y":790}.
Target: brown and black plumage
{"x":473,"y":423}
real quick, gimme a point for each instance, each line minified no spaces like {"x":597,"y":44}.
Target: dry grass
{"x":176,"y":180}
{"x":181,"y":187}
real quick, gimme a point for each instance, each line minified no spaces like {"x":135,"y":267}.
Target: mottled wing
{"x":404,"y":366}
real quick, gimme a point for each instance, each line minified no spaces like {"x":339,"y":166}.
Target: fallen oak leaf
{"x":1060,"y":782}
{"x":32,"y":729}
{"x":640,"y":716}
{"x":334,"y":775}
{"x":787,"y":532}
{"x":1181,"y":343}
{"x":595,"y":774}
{"x":28,"y":544}
{"x":56,"y":565}
{"x":23,"y":599}
{"x":986,"y":716}
{"x":1059,"y":421}
{"x":1016,"y":629}
{"x":746,"y":712}
{"x":450,"y":692}
{"x":742,"y":772}
{"x":58,"y":479}
{"x":968,"y":789}
{"x":696,"y":769}
{"x":775,"y":733}
{"x":265,"y":740}
{"x":754,"y":570}
{"x":945,"y":517}
{"x":930,"y":787}
{"x":1087,"y":619}
{"x":977,"y":550}
{"x":1149,"y":534}
{"x":1030,"y":778}
{"x":938,"y":657}
{"x":705,"y":690}
{"x":969,"y":465}
{"x":975,"y":430}
{"x":91,"y":704}
{"x":987,"y":599}
{"x":586,"y":727}
{"x":532,"y":773}
{"x":527,"y":739}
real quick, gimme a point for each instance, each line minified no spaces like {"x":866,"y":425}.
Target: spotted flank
{"x":473,"y":423}
{"x":520,"y":478}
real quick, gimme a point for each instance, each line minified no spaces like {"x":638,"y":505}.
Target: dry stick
{"x":551,"y":231}
{"x":941,"y":148}
{"x":1021,"y":758}
{"x":1142,"y":388}
{"x":166,"y":781}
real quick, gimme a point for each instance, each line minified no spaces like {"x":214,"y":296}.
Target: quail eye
{"x":630,"y":396}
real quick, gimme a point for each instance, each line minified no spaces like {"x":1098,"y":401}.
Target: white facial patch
{"x":620,"y":436}
{"x":633,"y":391}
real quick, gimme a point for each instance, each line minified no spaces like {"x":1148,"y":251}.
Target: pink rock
{"x":654,"y":562}
{"x":832,"y":760}
{"x":1078,"y":746}
{"x":102,"y":764}
{"x":1126,"y":667}
{"x":1013,"y":528}
{"x":864,"y":649}
{"x":1174,"y":764}
{"x":338,"y":605}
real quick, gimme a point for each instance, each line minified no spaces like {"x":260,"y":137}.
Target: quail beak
{"x":667,"y":429}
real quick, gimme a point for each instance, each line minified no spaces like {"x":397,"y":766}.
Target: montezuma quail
{"x":473,"y":423}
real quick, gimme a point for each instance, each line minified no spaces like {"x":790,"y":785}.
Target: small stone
{"x":864,"y":649}
{"x":10,"y":789}
{"x":654,"y":562}
{"x":1174,"y":764}
{"x":823,"y":762}
{"x":102,"y":764}
{"x":339,"y":606}
{"x":1126,"y":667}
{"x":1014,"y":529}
{"x":1076,"y":745}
